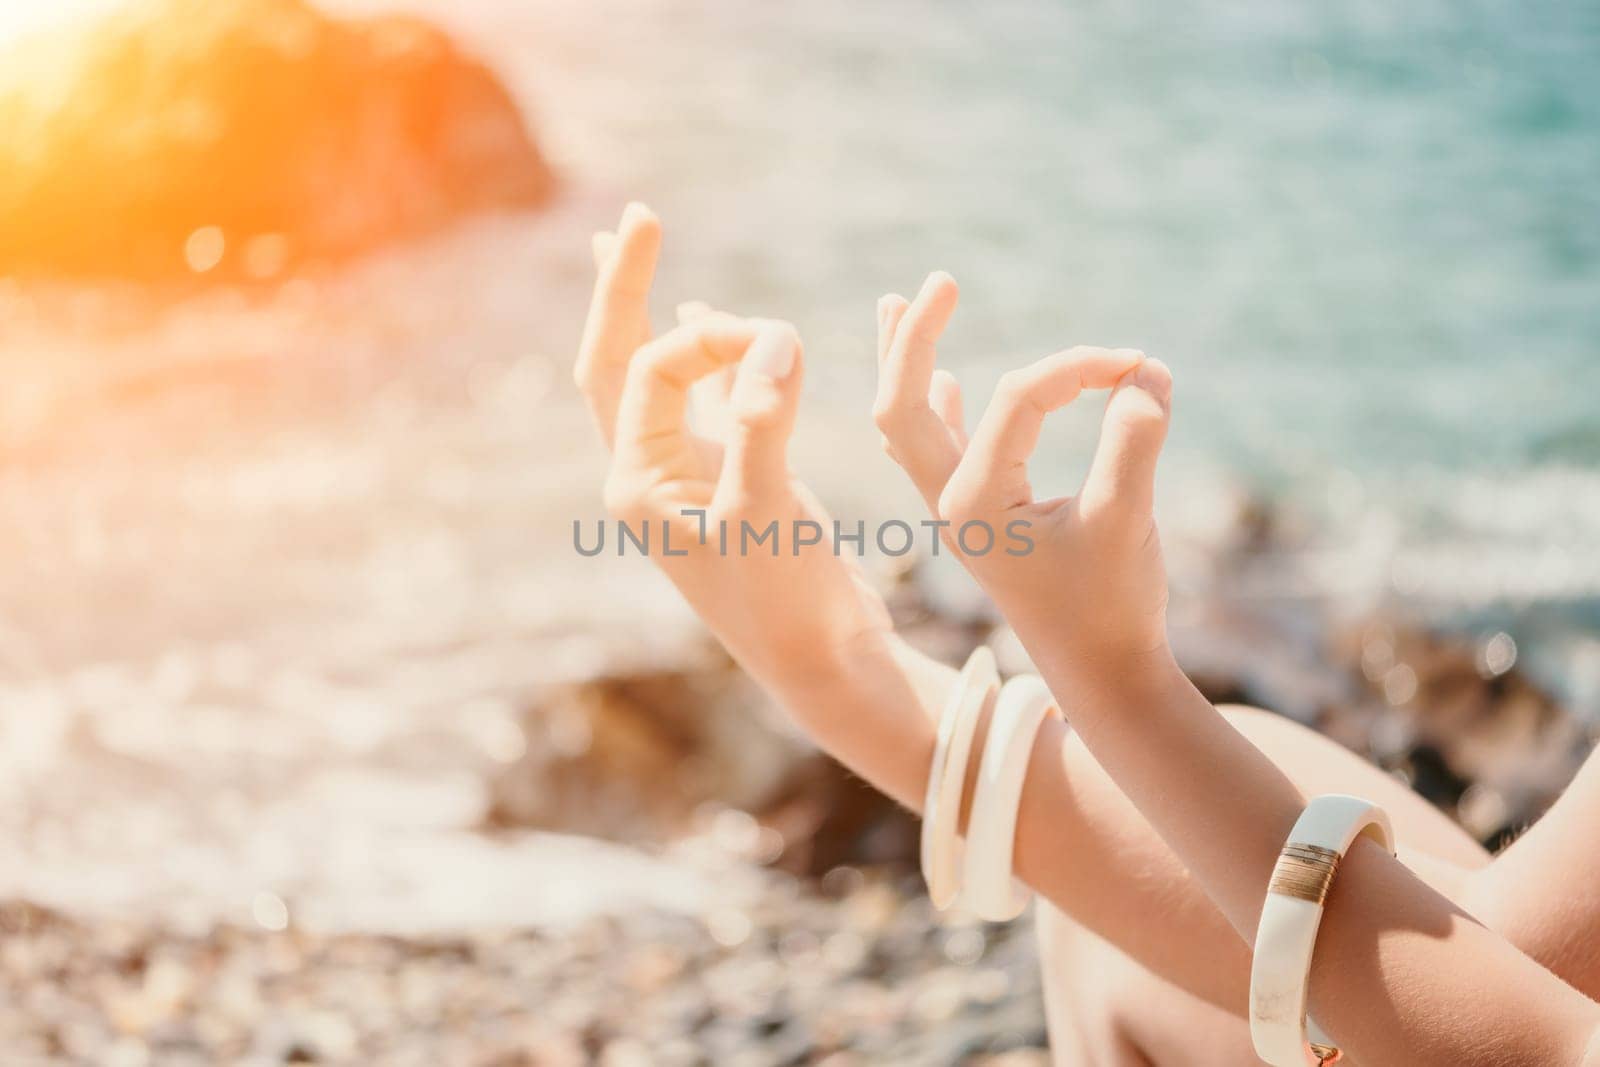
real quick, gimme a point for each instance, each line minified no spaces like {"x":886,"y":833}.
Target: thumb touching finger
{"x":1122,"y":478}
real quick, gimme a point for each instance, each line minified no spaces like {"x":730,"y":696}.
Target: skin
{"x":1401,"y":969}
{"x":699,"y":417}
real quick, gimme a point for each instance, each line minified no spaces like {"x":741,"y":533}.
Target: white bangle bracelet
{"x":947,"y":777}
{"x":1280,"y":970}
{"x":991,"y":891}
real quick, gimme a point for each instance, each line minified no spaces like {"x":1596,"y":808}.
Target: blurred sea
{"x":1366,"y":237}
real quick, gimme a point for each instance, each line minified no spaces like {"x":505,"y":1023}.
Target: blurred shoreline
{"x":345,"y":539}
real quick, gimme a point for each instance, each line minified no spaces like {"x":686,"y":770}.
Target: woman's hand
{"x":1085,"y":569}
{"x":708,"y":500}
{"x":1400,"y":972}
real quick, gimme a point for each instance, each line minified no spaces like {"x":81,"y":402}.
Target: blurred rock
{"x":632,"y":757}
{"x":827,"y":817}
{"x":1450,"y":712}
{"x":1470,"y":730}
{"x":242,"y":140}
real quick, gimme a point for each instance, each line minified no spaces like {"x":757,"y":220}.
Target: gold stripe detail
{"x":1326,"y":1054}
{"x":1304,"y":872}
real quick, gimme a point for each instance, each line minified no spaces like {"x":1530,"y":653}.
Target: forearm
{"x":1401,"y":974}
{"x":1080,"y":842}
{"x":1083,"y":844}
{"x":873,"y":705}
{"x":1223,"y":806}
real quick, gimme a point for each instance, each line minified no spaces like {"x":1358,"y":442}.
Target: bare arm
{"x":808,"y":630}
{"x":821,"y":644}
{"x":1401,"y":974}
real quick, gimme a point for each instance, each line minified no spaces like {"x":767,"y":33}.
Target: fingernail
{"x":771,"y":354}
{"x":634,"y":212}
{"x":1154,"y":378}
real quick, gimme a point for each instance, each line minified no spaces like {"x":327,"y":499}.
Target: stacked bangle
{"x":991,"y":892}
{"x":1280,"y":970}
{"x":941,"y":844}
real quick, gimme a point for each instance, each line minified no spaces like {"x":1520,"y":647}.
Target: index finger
{"x":995,"y":467}
{"x":619,"y":313}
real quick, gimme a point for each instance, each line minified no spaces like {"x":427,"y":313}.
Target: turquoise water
{"x":1366,"y":236}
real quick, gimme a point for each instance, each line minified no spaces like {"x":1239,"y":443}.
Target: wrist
{"x":791,"y":654}
{"x":873,"y":704}
{"x":1101,"y":690}
{"x":827,"y":674}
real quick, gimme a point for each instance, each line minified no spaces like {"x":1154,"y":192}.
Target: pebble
{"x":618,"y":992}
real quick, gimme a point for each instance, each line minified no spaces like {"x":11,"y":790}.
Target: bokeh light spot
{"x":1496,"y":655}
{"x":269,"y":911}
{"x":204,"y":249}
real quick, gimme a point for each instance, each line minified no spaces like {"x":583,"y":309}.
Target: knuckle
{"x":1015,"y":394}
{"x":922,"y":332}
{"x":1011,"y":381}
{"x":1012,"y":387}
{"x":900,"y":418}
{"x":755,"y":417}
{"x":758,"y":406}
{"x":1149,"y":421}
{"x":887,"y":418}
{"x":649,"y":361}
{"x":658,"y":357}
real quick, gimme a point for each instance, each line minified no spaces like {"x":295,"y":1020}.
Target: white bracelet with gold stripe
{"x":1280,"y":969}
